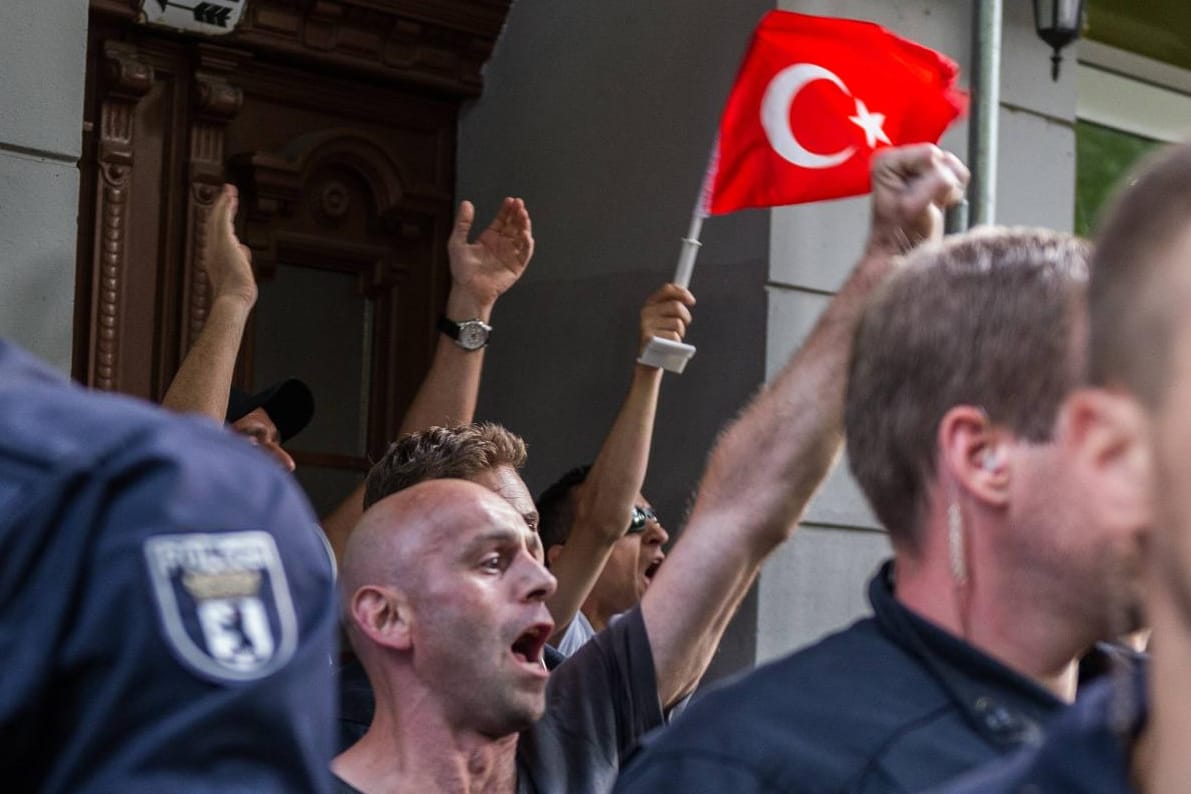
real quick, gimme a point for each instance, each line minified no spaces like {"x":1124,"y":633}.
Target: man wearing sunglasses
{"x":632,"y":562}
{"x":602,"y":540}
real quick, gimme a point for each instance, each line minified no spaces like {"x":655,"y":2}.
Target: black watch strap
{"x":470,"y":334}
{"x":448,"y":327}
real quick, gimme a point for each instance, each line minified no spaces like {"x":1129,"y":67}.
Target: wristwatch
{"x":470,"y":334}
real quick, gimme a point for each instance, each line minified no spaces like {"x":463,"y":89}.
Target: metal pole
{"x":690,"y":249}
{"x":986,"y":88}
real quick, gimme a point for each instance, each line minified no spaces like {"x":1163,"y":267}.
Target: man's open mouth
{"x":653,"y":568}
{"x":529,"y":646}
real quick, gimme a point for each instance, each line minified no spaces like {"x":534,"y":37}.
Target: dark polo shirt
{"x":891,"y":704}
{"x":1086,"y":750}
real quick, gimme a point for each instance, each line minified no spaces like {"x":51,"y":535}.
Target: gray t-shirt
{"x":577,"y":635}
{"x":599,"y":702}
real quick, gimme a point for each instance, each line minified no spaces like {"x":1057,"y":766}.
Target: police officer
{"x":1130,"y":733}
{"x":955,"y":433}
{"x":166,"y":611}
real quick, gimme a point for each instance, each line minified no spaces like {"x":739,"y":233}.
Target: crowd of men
{"x":1011,"y":401}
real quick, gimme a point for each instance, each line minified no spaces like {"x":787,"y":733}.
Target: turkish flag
{"x":814,"y":98}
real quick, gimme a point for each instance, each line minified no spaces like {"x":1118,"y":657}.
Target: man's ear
{"x":1108,"y":437}
{"x":383,"y":615}
{"x":974,"y":454}
{"x":552,"y":554}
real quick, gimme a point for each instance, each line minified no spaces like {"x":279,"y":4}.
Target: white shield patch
{"x":224,"y":602}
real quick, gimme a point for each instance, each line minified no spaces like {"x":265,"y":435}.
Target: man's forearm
{"x":779,"y":450}
{"x":605,"y":504}
{"x":204,"y":379}
{"x":481,"y":272}
{"x":759,"y":479}
{"x":446,"y":396}
{"x":451,"y":387}
{"x":618,"y":471}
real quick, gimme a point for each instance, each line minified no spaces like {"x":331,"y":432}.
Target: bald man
{"x":444,"y":590}
{"x":445,"y":597}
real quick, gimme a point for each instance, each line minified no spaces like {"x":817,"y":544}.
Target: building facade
{"x":355,"y":125}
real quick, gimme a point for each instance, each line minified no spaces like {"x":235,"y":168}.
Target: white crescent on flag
{"x":781,"y":92}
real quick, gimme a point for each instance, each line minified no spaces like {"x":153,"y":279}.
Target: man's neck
{"x":1022,"y":636}
{"x":419,"y":752}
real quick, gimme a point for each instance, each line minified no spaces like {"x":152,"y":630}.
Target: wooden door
{"x":337,"y":120}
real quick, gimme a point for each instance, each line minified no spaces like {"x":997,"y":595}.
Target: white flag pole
{"x":667,"y":354}
{"x":690,"y":250}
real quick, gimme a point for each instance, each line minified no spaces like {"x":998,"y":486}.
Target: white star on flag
{"x":871,"y":123}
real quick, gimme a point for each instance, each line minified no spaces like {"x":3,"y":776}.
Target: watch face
{"x":472,"y":335}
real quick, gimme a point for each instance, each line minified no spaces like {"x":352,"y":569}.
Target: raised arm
{"x":768,"y":463}
{"x":605,"y":499}
{"x":481,"y":272}
{"x":204,"y":379}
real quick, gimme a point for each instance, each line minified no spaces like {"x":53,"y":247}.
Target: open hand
{"x":498,"y":257}
{"x":228,"y":262}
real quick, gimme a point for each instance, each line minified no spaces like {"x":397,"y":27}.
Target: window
{"x":1127,"y":106}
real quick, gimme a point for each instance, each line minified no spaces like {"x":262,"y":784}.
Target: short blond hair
{"x":458,"y":452}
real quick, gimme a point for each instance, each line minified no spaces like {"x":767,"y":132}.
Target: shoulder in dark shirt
{"x":889,"y":704}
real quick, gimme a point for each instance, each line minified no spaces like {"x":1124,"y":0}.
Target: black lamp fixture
{"x":1058,"y":23}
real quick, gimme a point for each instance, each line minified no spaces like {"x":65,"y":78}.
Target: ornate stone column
{"x":128,"y":81}
{"x":217,"y":101}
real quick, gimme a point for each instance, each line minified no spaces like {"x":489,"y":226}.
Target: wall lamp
{"x":1058,"y":23}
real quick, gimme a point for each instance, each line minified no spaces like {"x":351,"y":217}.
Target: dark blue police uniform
{"x":1086,"y":750}
{"x":890,"y":704}
{"x":167,"y":616}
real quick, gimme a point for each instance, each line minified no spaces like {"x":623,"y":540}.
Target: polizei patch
{"x":224,"y":602}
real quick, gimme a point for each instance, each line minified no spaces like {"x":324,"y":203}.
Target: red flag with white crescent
{"x":815,"y":97}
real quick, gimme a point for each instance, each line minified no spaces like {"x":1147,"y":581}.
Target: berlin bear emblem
{"x":224,"y":602}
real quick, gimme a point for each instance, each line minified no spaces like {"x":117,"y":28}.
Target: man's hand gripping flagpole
{"x":665,"y":353}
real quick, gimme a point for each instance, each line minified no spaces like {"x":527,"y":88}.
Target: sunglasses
{"x":641,"y":516}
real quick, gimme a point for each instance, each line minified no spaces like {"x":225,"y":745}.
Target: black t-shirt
{"x":599,"y":702}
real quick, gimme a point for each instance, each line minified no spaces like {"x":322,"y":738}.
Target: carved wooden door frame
{"x":141,"y":291}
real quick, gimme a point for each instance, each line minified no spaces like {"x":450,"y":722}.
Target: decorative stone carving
{"x":334,"y":199}
{"x":217,"y":101}
{"x":367,"y":94}
{"x":129,"y":79}
{"x":439,"y":44}
{"x":276,"y":184}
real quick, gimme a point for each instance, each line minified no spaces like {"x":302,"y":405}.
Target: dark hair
{"x":1131,"y":298}
{"x":556,"y":507}
{"x":441,"y":452}
{"x":987,"y":319}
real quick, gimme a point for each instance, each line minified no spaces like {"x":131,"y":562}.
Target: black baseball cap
{"x":290,"y":404}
